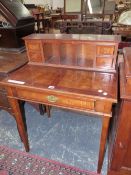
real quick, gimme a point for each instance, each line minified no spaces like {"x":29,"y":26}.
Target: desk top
{"x":87,"y":83}
{"x":74,"y":37}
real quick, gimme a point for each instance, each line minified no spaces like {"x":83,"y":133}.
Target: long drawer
{"x":56,"y":99}
{"x":52,"y":98}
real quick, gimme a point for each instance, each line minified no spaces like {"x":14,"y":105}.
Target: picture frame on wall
{"x":72,"y":6}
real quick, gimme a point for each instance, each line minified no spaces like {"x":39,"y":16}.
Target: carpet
{"x":14,"y":162}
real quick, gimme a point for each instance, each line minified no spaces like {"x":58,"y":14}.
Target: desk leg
{"x":103,"y":142}
{"x":48,"y":110}
{"x":20,"y":122}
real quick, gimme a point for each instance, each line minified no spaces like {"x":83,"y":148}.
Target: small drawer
{"x":33,"y":46}
{"x":105,"y":50}
{"x":103,"y":62}
{"x":35,"y":56}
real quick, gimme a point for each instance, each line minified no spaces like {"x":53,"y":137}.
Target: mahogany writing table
{"x":70,"y":71}
{"x":82,"y":90}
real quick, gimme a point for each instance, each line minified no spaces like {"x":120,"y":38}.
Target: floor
{"x":68,"y":137}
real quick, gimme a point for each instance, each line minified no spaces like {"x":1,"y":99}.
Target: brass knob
{"x":52,"y":98}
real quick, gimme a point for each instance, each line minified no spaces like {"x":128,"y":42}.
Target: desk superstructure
{"x":90,"y":52}
{"x":80,"y":88}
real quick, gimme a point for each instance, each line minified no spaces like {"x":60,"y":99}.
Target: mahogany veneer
{"x":120,"y":145}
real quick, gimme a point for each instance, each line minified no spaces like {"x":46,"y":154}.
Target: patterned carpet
{"x":20,"y":163}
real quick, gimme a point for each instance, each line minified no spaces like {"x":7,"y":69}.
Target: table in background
{"x":9,"y":62}
{"x":120,"y":135}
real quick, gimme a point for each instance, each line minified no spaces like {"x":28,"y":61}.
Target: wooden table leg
{"x":103,"y":142}
{"x":14,"y":103}
{"x":48,"y":111}
{"x":45,"y":109}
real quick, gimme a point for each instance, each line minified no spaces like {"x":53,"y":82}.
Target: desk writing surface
{"x":65,"y":80}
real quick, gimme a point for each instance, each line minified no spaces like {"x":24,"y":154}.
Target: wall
{"x":53,"y":3}
{"x":95,"y":3}
{"x":58,"y":3}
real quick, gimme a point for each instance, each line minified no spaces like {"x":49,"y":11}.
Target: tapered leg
{"x":48,"y":111}
{"x":42,"y":109}
{"x":45,"y":108}
{"x":14,"y":103}
{"x":22,"y":108}
{"x":103,"y":142}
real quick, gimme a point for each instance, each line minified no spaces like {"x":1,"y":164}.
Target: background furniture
{"x":9,"y":62}
{"x":15,"y":23}
{"x":95,"y":17}
{"x":89,"y":26}
{"x":42,"y":21}
{"x":55,"y":17}
{"x":120,"y":137}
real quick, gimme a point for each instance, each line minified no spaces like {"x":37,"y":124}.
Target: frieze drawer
{"x":57,"y":99}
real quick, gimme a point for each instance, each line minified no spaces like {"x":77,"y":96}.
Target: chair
{"x":42,"y":21}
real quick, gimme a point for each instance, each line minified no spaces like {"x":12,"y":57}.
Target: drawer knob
{"x":52,"y":98}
